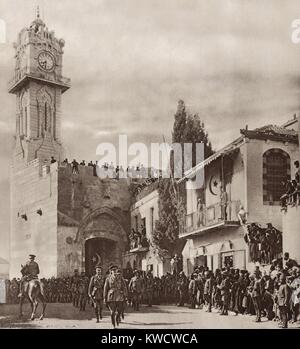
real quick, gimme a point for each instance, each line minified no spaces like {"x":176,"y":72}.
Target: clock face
{"x":46,"y":61}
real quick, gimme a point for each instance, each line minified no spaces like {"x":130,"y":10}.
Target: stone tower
{"x":38,"y":85}
{"x":69,"y":220}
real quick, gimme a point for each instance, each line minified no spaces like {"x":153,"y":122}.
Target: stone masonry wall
{"x":33,"y":188}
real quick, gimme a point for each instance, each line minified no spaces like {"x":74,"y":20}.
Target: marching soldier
{"x":115,"y":294}
{"x":136,"y":289}
{"x":96,"y":292}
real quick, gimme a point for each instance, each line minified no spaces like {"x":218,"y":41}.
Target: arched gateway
{"x":103,"y":238}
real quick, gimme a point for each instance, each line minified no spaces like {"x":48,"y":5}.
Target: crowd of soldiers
{"x":56,"y":290}
{"x":274,"y":294}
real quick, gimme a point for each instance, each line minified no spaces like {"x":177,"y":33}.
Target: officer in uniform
{"x":136,"y":289}
{"x":149,"y":288}
{"x":115,"y":294}
{"x":74,"y":288}
{"x":29,"y":272}
{"x":95,"y":291}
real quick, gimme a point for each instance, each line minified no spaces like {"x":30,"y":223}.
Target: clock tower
{"x":63,"y":218}
{"x":38,"y":85}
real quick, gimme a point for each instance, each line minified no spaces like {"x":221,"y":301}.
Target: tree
{"x":172,"y":196}
{"x":179,"y":125}
{"x":194,"y":132}
{"x":167,"y":227}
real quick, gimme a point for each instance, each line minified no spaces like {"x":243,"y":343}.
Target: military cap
{"x":32,"y":256}
{"x":113,"y":266}
{"x":98,"y":266}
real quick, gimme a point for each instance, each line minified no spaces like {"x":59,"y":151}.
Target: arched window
{"x":276,"y":171}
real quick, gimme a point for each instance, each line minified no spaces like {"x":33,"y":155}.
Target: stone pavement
{"x":163,"y":317}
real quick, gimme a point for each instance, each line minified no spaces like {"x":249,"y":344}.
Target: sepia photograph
{"x":149,"y":166}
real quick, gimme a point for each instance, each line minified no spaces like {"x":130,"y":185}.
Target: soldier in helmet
{"x":29,"y":272}
{"x":95,"y":291}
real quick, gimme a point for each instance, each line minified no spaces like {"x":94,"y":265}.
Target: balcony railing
{"x":25,"y":72}
{"x":212,"y":215}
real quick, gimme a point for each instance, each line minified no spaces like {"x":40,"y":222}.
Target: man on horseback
{"x":31,"y":287}
{"x":29,"y":272}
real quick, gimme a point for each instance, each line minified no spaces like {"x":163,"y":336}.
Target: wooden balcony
{"x":211,"y":218}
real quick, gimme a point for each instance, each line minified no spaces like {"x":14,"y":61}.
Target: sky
{"x":130,"y":61}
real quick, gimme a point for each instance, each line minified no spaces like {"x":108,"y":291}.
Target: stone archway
{"x":103,"y":236}
{"x":99,"y":251}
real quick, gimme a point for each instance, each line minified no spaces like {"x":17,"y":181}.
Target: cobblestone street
{"x":163,"y":316}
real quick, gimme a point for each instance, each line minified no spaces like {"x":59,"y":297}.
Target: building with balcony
{"x":144,"y":212}
{"x":249,"y":172}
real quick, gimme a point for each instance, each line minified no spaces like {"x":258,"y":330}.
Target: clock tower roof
{"x":38,"y":55}
{"x":38,"y":22}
